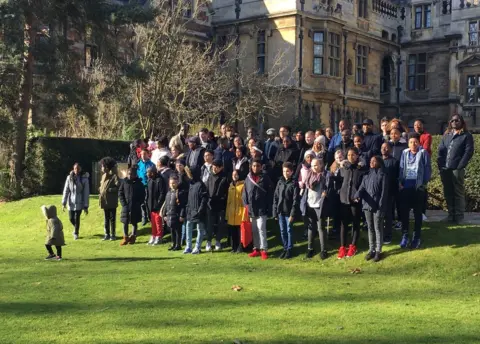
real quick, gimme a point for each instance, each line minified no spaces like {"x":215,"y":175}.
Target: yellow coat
{"x":235,"y":208}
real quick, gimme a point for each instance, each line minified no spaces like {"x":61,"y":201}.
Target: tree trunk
{"x":21,"y":122}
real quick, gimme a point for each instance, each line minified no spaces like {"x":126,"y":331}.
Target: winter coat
{"x":165,"y":174}
{"x":142,"y":168}
{"x":197,"y":202}
{"x":392,"y":169}
{"x":455,"y":151}
{"x":183,"y":181}
{"x":255,"y":195}
{"x":76,"y":192}
{"x":132,"y":158}
{"x":286,"y":198}
{"x":334,"y":142}
{"x":226,"y":157}
{"x":217,"y":186}
{"x":235,"y":209}
{"x":351,"y":177}
{"x":373,"y":144}
{"x":243,"y":167}
{"x":301,"y":153}
{"x":156,"y":192}
{"x":131,"y":195}
{"x":54,"y":227}
{"x":301,"y":174}
{"x":424,"y":168}
{"x":271,"y":147}
{"x":194,"y":158}
{"x":398,"y":148}
{"x":283,"y":155}
{"x":158,"y":153}
{"x":175,"y":206}
{"x":373,"y":191}
{"x":426,"y":142}
{"x":108,"y":196}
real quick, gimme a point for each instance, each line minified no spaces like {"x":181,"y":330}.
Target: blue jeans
{"x":200,"y":227}
{"x":285,"y":231}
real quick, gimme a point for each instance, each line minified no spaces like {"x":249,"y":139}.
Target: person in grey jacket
{"x":454,"y":153}
{"x":75,"y":196}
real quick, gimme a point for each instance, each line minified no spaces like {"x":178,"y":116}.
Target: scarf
{"x":313,"y":179}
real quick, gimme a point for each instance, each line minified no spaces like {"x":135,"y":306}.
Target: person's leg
{"x":255,"y":233}
{"x":210,"y":224}
{"x":106,"y":222}
{"x":49,"y":249}
{"x":312,"y":227}
{"x":154,"y":228}
{"x":387,"y":231}
{"x":417,"y":201}
{"x":134,"y":229}
{"x":448,"y":192}
{"x":289,"y":234}
{"x":71,"y":217}
{"x":200,"y":235}
{"x":378,"y":222}
{"x":178,"y":237}
{"x":282,"y":223}
{"x":356,"y":212}
{"x":220,"y":226}
{"x":321,"y":223}
{"x":345,"y":219}
{"x":405,"y":195}
{"x":262,"y":231}
{"x":77,"y":221}
{"x":113,"y":219}
{"x":125,"y":229}
{"x":189,"y":232}
{"x":59,"y":251}
{"x":371,"y":230}
{"x":458,"y":183}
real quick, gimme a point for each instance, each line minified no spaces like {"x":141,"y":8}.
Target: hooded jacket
{"x":455,"y":151}
{"x":54,"y":226}
{"x":235,"y":209}
{"x":373,"y":144}
{"x":373,"y":191}
{"x":286,"y":198}
{"x":76,"y":192}
{"x":398,"y":148}
{"x":290,"y":154}
{"x":156,"y":192}
{"x":217,"y":186}
{"x":108,"y":196}
{"x":197,"y":202}
{"x":391,"y":169}
{"x":351,"y":176}
{"x":194,"y":158}
{"x":175,"y":206}
{"x":255,"y":195}
{"x":131,"y":195}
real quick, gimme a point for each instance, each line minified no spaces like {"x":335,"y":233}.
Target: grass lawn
{"x":103,"y":293}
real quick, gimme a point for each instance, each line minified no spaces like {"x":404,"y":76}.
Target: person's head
{"x":256,"y":166}
{"x":457,"y":123}
{"x":132,"y":173}
{"x":418,"y":126}
{"x":164,"y":161}
{"x":352,"y":155}
{"x":385,"y":149}
{"x":356,"y":128}
{"x":309,"y":137}
{"x":180,"y":166}
{"x":318,"y":133}
{"x":413,"y":142}
{"x":339,"y":156}
{"x":208,"y":156}
{"x":173,"y":182}
{"x":235,"y":175}
{"x":237,"y":141}
{"x":342,"y":125}
{"x":319,"y":143}
{"x":346,"y":135}
{"x":367,"y":126}
{"x":175,"y":151}
{"x":223,"y":130}
{"x":162,"y":142}
{"x":144,"y":155}
{"x":217,"y":166}
{"x":395,"y":135}
{"x":287,"y":141}
{"x":376,"y":162}
{"x":229,"y":132}
{"x":203,"y":134}
{"x":299,"y":136}
{"x":251,"y":142}
{"x":256,"y":152}
{"x":284,"y":131}
{"x":107,"y":164}
{"x":251,"y":132}
{"x":358,"y":141}
{"x":224,"y":143}
{"x":184,"y":128}
{"x":383,"y":125}
{"x":287,"y":169}
{"x":271,"y":133}
{"x":193,"y":142}
{"x":239,"y":152}
{"x":317,"y":165}
{"x":307,"y":158}
{"x":151,"y":172}
{"x":329,"y":133}
{"x":77,"y":169}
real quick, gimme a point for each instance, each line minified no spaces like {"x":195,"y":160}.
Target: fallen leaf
{"x":236,"y":288}
{"x":476,"y":274}
{"x":355,"y":271}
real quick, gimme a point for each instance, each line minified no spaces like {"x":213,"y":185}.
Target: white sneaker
{"x":157,"y":241}
{"x":75,"y":236}
{"x":151,"y":241}
{"x":208,"y":247}
{"x":196,"y":251}
{"x":218,"y":246}
{"x":424,"y":217}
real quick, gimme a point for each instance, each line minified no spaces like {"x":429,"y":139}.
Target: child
{"x":235,"y":210}
{"x":108,"y":196}
{"x":217,"y":186}
{"x":391,"y":169}
{"x":351,"y":177}
{"x":196,"y":211}
{"x":255,"y":196}
{"x":142,"y":166}
{"x":174,"y":211}
{"x":374,"y":193}
{"x":318,"y":184}
{"x":285,"y":205}
{"x":415,"y":172}
{"x":54,"y":232}
{"x":75,"y":196}
{"x":131,"y":195}
{"x":363,"y":156}
{"x":156,"y":191}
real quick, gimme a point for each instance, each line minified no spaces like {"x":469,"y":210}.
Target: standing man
{"x":309,"y":139}
{"x":372,"y":142}
{"x":195,"y":152}
{"x":284,"y":132}
{"x":143,"y":165}
{"x":454,"y":153}
{"x":224,"y":154}
{"x":271,"y":146}
{"x":337,"y":138}
{"x":425,"y":138}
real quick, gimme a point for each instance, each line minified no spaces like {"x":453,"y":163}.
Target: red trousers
{"x":157,"y":226}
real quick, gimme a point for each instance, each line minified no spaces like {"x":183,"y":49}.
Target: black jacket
{"x":175,"y":206}
{"x":165,"y":174}
{"x":290,"y":154}
{"x":194,"y":159}
{"x":392,"y":169}
{"x":286,"y":198}
{"x":255,"y":195}
{"x":351,"y":177}
{"x":455,"y":151}
{"x":197,"y":202}
{"x":397,"y":149}
{"x":132,"y":160}
{"x":373,"y":191}
{"x":373,"y":144}
{"x":156,"y":191}
{"x":217,"y":186}
{"x":244,"y":168}
{"x":301,"y":154}
{"x":131,"y":195}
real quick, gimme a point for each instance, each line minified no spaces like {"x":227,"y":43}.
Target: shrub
{"x":436,"y":199}
{"x":50,"y":159}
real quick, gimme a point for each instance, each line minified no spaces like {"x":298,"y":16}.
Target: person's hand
{"x":86,"y":211}
{"x":251,"y":219}
{"x":400,"y":186}
{"x":63,"y":208}
{"x":276,"y":218}
{"x":324,"y":194}
{"x":356,"y":200}
{"x":181,"y":220}
{"x":290,"y":219}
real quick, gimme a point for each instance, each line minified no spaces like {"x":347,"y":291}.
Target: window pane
{"x":421,"y":68}
{"x":412,"y":59}
{"x":427,"y":20}
{"x":317,"y":65}
{"x":318,"y":37}
{"x":318,"y":50}
{"x":411,"y":70}
{"x":471,"y":95}
{"x":471,"y":80}
{"x":473,"y":37}
{"x":422,"y":57}
{"x":364,"y":65}
{"x":364,"y":80}
{"x":421,"y":82}
{"x":359,"y":75}
{"x":261,"y":36}
{"x":418,"y":20}
{"x":473,"y":26}
{"x":261,"y":49}
{"x":261,"y":65}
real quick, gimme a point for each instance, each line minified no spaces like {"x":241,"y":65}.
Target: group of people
{"x":214,"y":185}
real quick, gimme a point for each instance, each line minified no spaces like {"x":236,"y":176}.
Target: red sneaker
{"x":352,"y":250}
{"x":264,"y":255}
{"x":341,"y":252}
{"x":255,"y":253}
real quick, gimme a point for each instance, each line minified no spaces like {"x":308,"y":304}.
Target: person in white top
{"x":161,"y":150}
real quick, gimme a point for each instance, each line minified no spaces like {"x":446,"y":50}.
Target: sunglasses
{"x":454,"y":120}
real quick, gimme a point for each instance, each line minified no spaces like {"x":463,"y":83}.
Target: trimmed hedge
{"x":472,"y":180}
{"x":50,"y":159}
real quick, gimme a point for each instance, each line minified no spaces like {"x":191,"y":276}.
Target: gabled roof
{"x":471,"y":61}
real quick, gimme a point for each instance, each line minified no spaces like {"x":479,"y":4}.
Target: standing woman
{"x":108,"y":196}
{"x":235,"y":211}
{"x":240,"y":163}
{"x":75,"y":196}
{"x":454,"y":153}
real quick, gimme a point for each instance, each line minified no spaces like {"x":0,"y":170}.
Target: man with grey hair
{"x":271,"y":146}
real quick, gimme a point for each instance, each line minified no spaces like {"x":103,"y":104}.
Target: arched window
{"x":384,"y":34}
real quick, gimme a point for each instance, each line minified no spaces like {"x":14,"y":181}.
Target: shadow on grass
{"x":127,"y":259}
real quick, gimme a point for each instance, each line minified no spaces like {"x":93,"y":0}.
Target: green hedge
{"x":472,"y":180}
{"x":50,"y":159}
